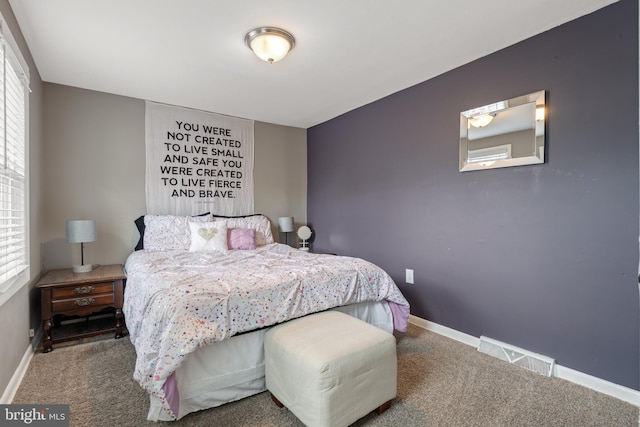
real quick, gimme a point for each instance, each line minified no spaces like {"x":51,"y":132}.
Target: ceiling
{"x":348,"y":53}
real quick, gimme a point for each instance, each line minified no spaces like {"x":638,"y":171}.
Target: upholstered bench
{"x":330,"y":369}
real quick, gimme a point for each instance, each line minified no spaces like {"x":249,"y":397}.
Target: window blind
{"x":14,"y":257}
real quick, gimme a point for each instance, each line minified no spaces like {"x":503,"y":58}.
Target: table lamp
{"x":285,"y":224}
{"x":81,"y":231}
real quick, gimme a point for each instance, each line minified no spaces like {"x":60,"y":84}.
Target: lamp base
{"x":84,"y":268}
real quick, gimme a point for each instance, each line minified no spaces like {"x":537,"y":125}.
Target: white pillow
{"x":258,"y":222}
{"x":169,"y":232}
{"x":208,"y":236}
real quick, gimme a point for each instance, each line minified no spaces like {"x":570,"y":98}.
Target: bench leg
{"x":386,"y":405}
{"x":279,"y":404}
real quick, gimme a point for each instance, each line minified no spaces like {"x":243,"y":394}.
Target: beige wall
{"x":20,"y":312}
{"x":95,"y":168}
{"x":280,"y":173}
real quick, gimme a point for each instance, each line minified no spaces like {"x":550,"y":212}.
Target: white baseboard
{"x":619,"y":392}
{"x":16,"y":379}
{"x":603,"y":386}
{"x":444,"y":330}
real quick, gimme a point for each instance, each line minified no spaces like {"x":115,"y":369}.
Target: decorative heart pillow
{"x":208,"y":236}
{"x":169,"y":232}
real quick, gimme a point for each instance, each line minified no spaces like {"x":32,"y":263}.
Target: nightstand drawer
{"x":77,"y":303}
{"x":82,"y":290}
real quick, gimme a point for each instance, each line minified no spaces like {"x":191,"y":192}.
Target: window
{"x":14,"y":220}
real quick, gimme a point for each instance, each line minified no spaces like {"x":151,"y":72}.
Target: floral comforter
{"x":178,"y":301}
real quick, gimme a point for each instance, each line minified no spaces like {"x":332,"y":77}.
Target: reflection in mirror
{"x":502,"y":134}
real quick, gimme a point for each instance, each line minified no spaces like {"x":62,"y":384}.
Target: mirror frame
{"x":524,"y":113}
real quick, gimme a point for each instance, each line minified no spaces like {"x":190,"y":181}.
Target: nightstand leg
{"x":119,"y":325}
{"x":47,"y":342}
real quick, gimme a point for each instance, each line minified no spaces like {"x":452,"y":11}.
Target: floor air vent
{"x":517,"y":356}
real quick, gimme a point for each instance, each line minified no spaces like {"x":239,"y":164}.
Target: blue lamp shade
{"x":81,"y":231}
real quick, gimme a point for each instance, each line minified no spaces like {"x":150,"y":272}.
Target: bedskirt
{"x":233,"y":369}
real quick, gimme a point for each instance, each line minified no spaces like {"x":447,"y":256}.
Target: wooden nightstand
{"x":64,"y":292}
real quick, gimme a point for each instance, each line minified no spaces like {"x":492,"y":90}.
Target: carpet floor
{"x":441,"y":382}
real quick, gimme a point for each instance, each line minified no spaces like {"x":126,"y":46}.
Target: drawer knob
{"x":83,"y":289}
{"x":83,"y":301}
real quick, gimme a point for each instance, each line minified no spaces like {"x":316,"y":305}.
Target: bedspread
{"x":178,"y":301}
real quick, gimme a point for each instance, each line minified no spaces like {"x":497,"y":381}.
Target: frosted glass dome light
{"x":269,"y":44}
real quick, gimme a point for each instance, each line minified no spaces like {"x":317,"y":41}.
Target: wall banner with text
{"x":197,"y":162}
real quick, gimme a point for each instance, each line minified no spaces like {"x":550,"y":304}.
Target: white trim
{"x":623,"y":393}
{"x":17,"y":60}
{"x":443,"y":330}
{"x":619,"y":392}
{"x":15,"y":52}
{"x":16,"y":379}
{"x":19,"y":282}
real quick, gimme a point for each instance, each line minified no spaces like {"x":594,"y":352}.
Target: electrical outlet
{"x":32,"y":333}
{"x":409,"y":276}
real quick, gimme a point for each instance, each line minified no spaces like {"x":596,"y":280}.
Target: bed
{"x":202,"y":291}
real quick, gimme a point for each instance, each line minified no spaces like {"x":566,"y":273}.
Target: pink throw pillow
{"x":241,"y":238}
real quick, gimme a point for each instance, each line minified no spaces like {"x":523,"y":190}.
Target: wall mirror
{"x":503,"y":134}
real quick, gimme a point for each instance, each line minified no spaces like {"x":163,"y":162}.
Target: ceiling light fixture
{"x":269,"y":44}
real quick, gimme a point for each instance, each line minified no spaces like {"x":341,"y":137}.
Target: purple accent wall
{"x":543,"y":257}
